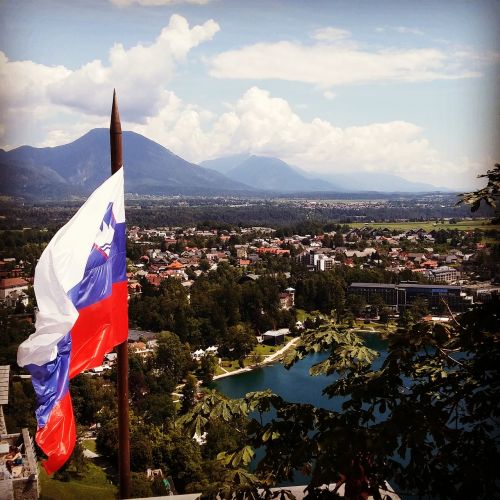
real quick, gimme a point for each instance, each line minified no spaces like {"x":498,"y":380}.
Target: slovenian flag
{"x":81,"y":291}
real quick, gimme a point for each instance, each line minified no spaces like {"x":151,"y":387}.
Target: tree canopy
{"x":426,"y":419}
{"x":422,"y":416}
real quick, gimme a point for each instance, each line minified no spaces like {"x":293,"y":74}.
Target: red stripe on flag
{"x":57,"y":438}
{"x":99,"y":328}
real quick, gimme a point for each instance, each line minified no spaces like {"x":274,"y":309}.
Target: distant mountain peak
{"x":268,"y":173}
{"x":80,"y":166}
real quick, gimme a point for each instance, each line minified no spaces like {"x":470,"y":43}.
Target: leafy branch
{"x":489,"y":194}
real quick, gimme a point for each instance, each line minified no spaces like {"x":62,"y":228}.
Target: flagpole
{"x":115,"y":136}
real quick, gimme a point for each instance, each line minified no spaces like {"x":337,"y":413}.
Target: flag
{"x":81,"y":291}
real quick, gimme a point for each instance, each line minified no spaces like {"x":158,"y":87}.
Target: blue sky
{"x":392,"y":86}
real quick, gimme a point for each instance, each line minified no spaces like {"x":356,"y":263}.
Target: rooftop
{"x":373,"y":285}
{"x":4,"y":384}
{"x":12,"y":283}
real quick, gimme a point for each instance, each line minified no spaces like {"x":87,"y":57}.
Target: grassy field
{"x":258,"y":354}
{"x":466,"y":225}
{"x":228,"y":365}
{"x":303,"y":315}
{"x":94,"y":485}
{"x":265,"y":350}
{"x":90,"y":444}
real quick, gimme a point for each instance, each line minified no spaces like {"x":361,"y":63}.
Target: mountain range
{"x":77,"y":168}
{"x":262,"y":172}
{"x":267,"y":173}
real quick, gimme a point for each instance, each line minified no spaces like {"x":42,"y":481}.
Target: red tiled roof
{"x":12,"y":283}
{"x":175,"y":265}
{"x":429,"y":263}
{"x":154,"y":279}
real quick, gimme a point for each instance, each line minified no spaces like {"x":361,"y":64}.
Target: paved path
{"x":267,"y":360}
{"x":89,"y":454}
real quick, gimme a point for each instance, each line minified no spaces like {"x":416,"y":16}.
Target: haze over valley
{"x":77,"y":168}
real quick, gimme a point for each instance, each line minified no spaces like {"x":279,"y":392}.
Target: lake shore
{"x":266,"y":361}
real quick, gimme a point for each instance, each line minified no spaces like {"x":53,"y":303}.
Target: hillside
{"x":79,"y":167}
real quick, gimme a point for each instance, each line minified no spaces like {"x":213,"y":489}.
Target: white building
{"x":445,"y":274}
{"x":12,"y":290}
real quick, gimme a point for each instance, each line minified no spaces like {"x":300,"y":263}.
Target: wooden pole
{"x":115,"y":136}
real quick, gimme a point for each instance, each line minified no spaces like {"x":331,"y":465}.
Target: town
{"x":209,"y":302}
{"x":368,"y":272}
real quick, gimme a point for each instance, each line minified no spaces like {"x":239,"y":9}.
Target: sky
{"x":402,"y":87}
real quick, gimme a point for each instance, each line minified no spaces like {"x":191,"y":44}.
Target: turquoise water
{"x":295,"y":384}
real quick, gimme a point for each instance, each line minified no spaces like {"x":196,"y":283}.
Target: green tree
{"x":426,"y":420}
{"x":140,"y":485}
{"x":157,"y":409}
{"x":179,"y":456}
{"x":89,"y":395}
{"x":406,"y":320}
{"x":489,"y":194}
{"x":172,"y":357}
{"x":208,"y":365}
{"x":384,"y":315}
{"x":189,"y":393}
{"x":75,"y":466}
{"x":355,"y":304}
{"x":20,"y":412}
{"x":419,"y":308}
{"x":141,"y":453}
{"x":204,"y":265}
{"x":239,"y":342}
{"x":107,"y":437}
{"x":223,"y":436}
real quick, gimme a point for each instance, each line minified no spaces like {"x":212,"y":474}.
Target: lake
{"x":295,"y":384}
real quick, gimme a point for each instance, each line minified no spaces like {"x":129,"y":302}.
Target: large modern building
{"x":435,"y":295}
{"x":398,"y":297}
{"x":391,"y":294}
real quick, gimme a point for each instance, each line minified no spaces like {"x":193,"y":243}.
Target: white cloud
{"x":331,"y":34}
{"x":334,"y":60}
{"x":56,"y":105}
{"x":261,"y":124}
{"x":139,"y":73}
{"x":24,"y":103}
{"x":156,"y":3}
{"x":404,"y":30}
{"x":74,"y":127}
{"x":30,"y":92}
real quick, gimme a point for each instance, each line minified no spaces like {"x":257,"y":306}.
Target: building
{"x":445,"y":274}
{"x":12,"y":290}
{"x":316,"y":260}
{"x":482,"y":292}
{"x":272,"y":251}
{"x":4,"y":395}
{"x":18,"y":465}
{"x":241,"y":251}
{"x":391,"y":294}
{"x":275,"y":337}
{"x":403,"y":295}
{"x":324,"y":263}
{"x":435,"y":295}
{"x":287,"y":299}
